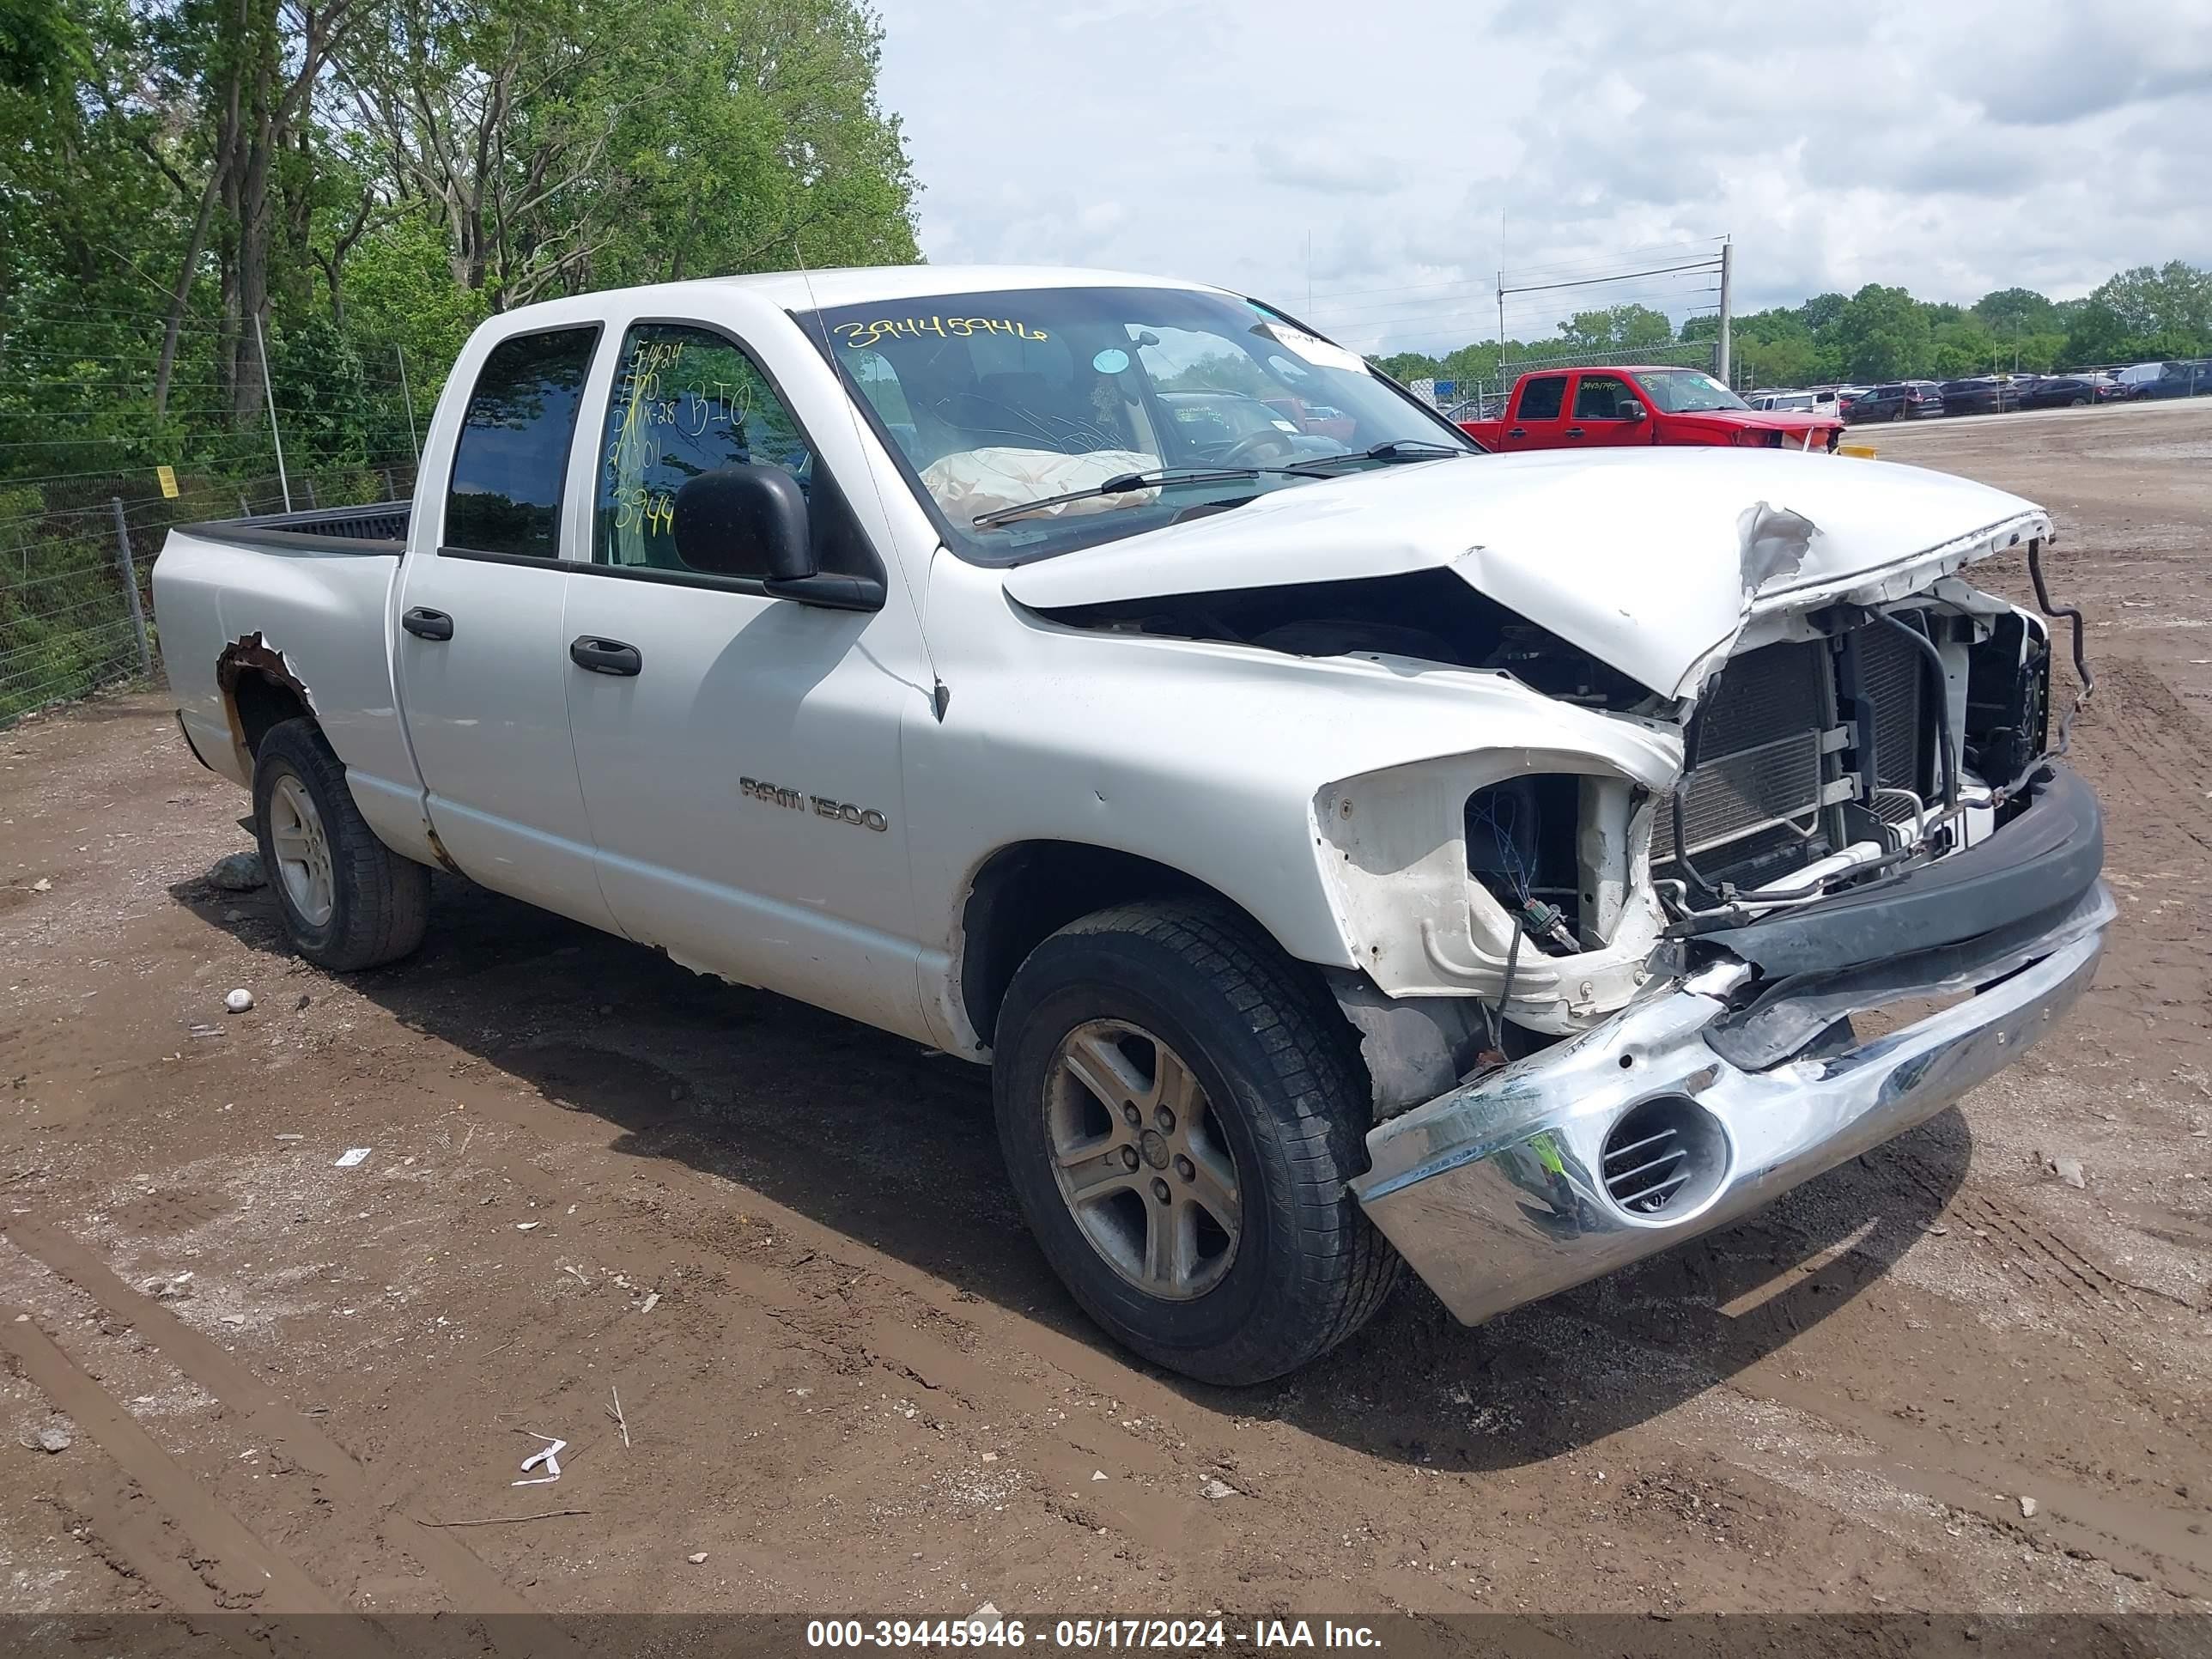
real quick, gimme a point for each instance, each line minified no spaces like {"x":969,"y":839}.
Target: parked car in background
{"x":1982,"y":394}
{"x":2071,"y":391}
{"x":1598,"y":408}
{"x":2187,"y":377}
{"x":1900,"y":400}
{"x":1821,"y":400}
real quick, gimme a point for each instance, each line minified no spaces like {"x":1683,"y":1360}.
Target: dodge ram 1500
{"x":1345,"y":846}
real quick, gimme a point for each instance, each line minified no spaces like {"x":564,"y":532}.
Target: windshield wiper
{"x":1395,"y":449}
{"x":1129,"y":482}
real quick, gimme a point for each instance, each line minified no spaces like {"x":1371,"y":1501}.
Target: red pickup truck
{"x":1595,"y":408}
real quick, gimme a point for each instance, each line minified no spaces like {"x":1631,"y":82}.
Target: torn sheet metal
{"x":1639,"y":557}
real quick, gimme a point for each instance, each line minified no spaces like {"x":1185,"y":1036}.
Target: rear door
{"x":479,"y":657}
{"x":1597,"y":419}
{"x":1538,"y":417}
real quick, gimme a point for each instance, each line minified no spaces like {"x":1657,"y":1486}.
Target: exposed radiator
{"x":1895,"y":676}
{"x":1757,"y":802}
{"x":1758,"y":746}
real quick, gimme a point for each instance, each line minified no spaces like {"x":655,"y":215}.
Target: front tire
{"x":349,"y":902}
{"x":1180,"y":1106}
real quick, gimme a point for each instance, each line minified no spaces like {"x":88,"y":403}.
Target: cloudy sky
{"x":1952,"y":146}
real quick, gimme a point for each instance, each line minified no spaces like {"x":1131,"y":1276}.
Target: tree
{"x":2009,"y":312}
{"x":2166,"y":312}
{"x":1618,"y":328}
{"x":561,"y":148}
{"x":1882,"y":333}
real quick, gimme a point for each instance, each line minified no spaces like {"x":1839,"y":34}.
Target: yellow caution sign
{"x":167,"y":475}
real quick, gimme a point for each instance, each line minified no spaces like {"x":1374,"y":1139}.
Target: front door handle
{"x":1574,"y":432}
{"x":605,"y":656}
{"x":425,"y":624}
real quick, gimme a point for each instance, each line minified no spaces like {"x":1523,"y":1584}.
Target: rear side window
{"x":1542,"y":398}
{"x":513,"y":454}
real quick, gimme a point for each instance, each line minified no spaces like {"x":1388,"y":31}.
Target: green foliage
{"x":181,"y":179}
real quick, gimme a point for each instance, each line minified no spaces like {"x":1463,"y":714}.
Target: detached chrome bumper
{"x":1497,"y":1192}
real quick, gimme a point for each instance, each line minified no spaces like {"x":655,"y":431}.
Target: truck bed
{"x":301,"y":604}
{"x":377,"y":529}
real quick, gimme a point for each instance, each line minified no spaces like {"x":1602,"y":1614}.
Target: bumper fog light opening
{"x":1663,"y":1158}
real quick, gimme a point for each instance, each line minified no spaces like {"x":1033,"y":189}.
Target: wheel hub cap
{"x":302,"y":852}
{"x":1140,"y":1161}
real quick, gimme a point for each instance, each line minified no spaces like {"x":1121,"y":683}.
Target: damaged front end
{"x":1868,"y":812}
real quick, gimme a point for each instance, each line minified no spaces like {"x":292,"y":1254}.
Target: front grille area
{"x":1758,"y":758}
{"x":1777,"y":744}
{"x":1758,"y":748}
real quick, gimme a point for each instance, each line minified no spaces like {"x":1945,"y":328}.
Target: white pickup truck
{"x":1345,"y":845}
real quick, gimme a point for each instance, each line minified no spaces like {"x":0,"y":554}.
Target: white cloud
{"x":1951,"y":148}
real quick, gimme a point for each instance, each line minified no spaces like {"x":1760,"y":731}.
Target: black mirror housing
{"x":745,"y":521}
{"x":1632,"y":410}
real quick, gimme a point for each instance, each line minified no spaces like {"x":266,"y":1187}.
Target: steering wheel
{"x":1258,"y":449}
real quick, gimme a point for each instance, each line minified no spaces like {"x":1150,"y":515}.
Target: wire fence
{"x":96,"y":467}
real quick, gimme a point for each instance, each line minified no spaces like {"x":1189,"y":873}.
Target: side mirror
{"x":745,"y":521}
{"x":1630,"y":410}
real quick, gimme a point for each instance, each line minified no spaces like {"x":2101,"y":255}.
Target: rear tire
{"x":348,"y":901}
{"x":1144,"y":1033}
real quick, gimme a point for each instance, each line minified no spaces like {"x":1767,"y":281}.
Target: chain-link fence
{"x":101,"y":455}
{"x":77,"y":610}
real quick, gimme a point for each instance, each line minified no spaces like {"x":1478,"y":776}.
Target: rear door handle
{"x":425,"y":624}
{"x":605,"y":656}
{"x":1516,"y":432}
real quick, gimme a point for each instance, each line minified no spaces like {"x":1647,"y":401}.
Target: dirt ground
{"x":1938,"y":1379}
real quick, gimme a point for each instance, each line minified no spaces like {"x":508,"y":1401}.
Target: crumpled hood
{"x":1652,"y":560}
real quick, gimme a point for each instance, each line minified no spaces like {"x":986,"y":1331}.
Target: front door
{"x":479,"y":656}
{"x":1599,"y":418}
{"x":741,"y":765}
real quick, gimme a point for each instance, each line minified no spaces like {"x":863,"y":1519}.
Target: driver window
{"x":686,"y":401}
{"x":1598,"y":397}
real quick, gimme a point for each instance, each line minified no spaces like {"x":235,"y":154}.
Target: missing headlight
{"x":1520,"y":847}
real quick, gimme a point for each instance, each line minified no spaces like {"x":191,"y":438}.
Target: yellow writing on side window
{"x":960,"y":328}
{"x":649,"y":510}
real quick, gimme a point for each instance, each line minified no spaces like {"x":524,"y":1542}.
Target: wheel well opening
{"x":261,"y":702}
{"x":1025,"y":893}
{"x":259,"y":690}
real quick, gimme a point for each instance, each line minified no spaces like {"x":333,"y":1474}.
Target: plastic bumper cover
{"x":1495,"y":1192}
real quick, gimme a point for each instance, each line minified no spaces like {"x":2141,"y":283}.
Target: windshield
{"x":1687,"y":390}
{"x":998,"y":400}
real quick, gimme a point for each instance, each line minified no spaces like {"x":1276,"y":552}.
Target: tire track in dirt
{"x":241,"y":1571}
{"x":474,"y":1585}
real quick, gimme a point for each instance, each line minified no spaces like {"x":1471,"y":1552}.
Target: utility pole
{"x":1501,"y":309}
{"x":1727,"y":251}
{"x":269,"y":392}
